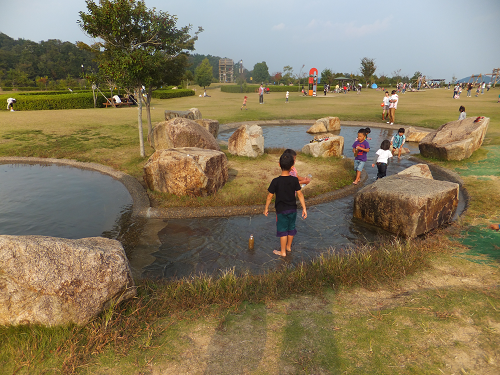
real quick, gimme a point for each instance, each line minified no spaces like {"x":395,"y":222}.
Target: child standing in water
{"x":285,"y":187}
{"x":397,"y":142}
{"x":383,"y":155}
{"x":360,"y":148}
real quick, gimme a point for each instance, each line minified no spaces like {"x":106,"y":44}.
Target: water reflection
{"x":209,"y":245}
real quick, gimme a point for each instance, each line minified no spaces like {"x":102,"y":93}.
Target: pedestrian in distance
{"x":393,"y":105}
{"x":385,"y":108}
{"x":10,"y":104}
{"x":244,"y":103}
{"x":285,"y":187}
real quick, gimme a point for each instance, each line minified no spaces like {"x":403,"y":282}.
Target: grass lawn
{"x":418,"y":307}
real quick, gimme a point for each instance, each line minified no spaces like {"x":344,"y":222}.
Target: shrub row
{"x":169,"y":94}
{"x":63,"y":101}
{"x":254,"y":88}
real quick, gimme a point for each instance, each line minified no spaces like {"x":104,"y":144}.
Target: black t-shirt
{"x":284,"y":187}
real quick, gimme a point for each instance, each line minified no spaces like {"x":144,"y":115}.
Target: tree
{"x":260,"y":72}
{"x":368,"y":68}
{"x":416,"y":75}
{"x":136,"y":47}
{"x":204,"y":74}
{"x":277,"y":77}
{"x":287,"y":74}
{"x":326,"y":76}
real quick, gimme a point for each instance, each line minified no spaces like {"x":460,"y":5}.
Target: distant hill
{"x":484,"y":78}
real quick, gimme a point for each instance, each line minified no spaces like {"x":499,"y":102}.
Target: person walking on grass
{"x":385,"y":108}
{"x":244,"y":103}
{"x":261,"y":94}
{"x":383,"y":155}
{"x":286,"y":96}
{"x":393,"y":105}
{"x":360,"y":149}
{"x":397,"y":142}
{"x":285,"y":187}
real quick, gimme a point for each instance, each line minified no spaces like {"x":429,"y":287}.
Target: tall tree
{"x":136,"y":46}
{"x":287,"y":74}
{"x":368,"y":68}
{"x":260,"y":72}
{"x":326,"y":76}
{"x":203,"y":75}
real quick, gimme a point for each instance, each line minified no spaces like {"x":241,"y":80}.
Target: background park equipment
{"x":313,"y":81}
{"x":344,"y":80}
{"x":226,"y":71}
{"x":420,"y":82}
{"x":495,"y":76}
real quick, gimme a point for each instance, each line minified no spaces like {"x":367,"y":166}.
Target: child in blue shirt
{"x":360,"y":148}
{"x":397,"y":142}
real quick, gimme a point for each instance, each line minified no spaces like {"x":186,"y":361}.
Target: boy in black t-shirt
{"x":285,"y":187}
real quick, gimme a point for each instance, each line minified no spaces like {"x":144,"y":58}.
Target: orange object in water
{"x":251,"y":242}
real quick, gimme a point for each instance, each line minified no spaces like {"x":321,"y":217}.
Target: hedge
{"x":236,"y":89}
{"x":169,"y":94}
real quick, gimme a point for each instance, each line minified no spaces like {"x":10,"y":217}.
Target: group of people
{"x":361,"y":147}
{"x":457,"y":89}
{"x":389,"y":106}
{"x":287,"y":187}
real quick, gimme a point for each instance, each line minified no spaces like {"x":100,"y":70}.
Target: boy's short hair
{"x":290,"y":151}
{"x":393,"y":92}
{"x":286,"y":161}
{"x":362,"y":131}
{"x":387,"y":92}
{"x":385,"y":145}
{"x":401,"y":130}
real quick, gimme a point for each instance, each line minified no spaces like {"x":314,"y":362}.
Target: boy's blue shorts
{"x":359,"y":165}
{"x":285,"y":223}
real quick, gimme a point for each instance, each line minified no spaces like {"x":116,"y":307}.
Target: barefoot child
{"x":360,"y":148}
{"x":383,"y":155}
{"x":244,"y":103}
{"x":397,"y":142}
{"x":285,"y":187}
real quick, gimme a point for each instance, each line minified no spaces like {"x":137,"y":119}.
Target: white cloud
{"x":280,"y":26}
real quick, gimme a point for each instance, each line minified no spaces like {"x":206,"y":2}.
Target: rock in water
{"x":186,"y":171}
{"x":247,"y":140}
{"x":334,"y":146}
{"x":192,"y":114}
{"x":325,"y":124}
{"x":455,"y":140}
{"x":211,"y":125}
{"x":182,"y":132}
{"x":56,"y":281}
{"x":414,"y":135}
{"x":407,"y":206}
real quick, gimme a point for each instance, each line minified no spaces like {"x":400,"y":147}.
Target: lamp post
{"x":83,"y":76}
{"x":241,"y":75}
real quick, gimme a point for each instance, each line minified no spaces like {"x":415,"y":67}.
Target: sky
{"x":440,"y":38}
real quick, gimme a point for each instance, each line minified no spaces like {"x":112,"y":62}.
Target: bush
{"x":61,"y":101}
{"x":169,"y":94}
{"x":236,"y":89}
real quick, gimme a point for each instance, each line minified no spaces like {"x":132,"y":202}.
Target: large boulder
{"x":247,"y":140}
{"x":333,"y":146}
{"x":405,"y":205}
{"x":56,"y":281}
{"x":414,"y":135}
{"x":182,"y":132}
{"x":186,"y":171}
{"x":404,"y":151}
{"x":325,"y":124}
{"x":418,"y":170}
{"x":211,"y":125}
{"x":455,"y":140}
{"x":192,"y":114}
